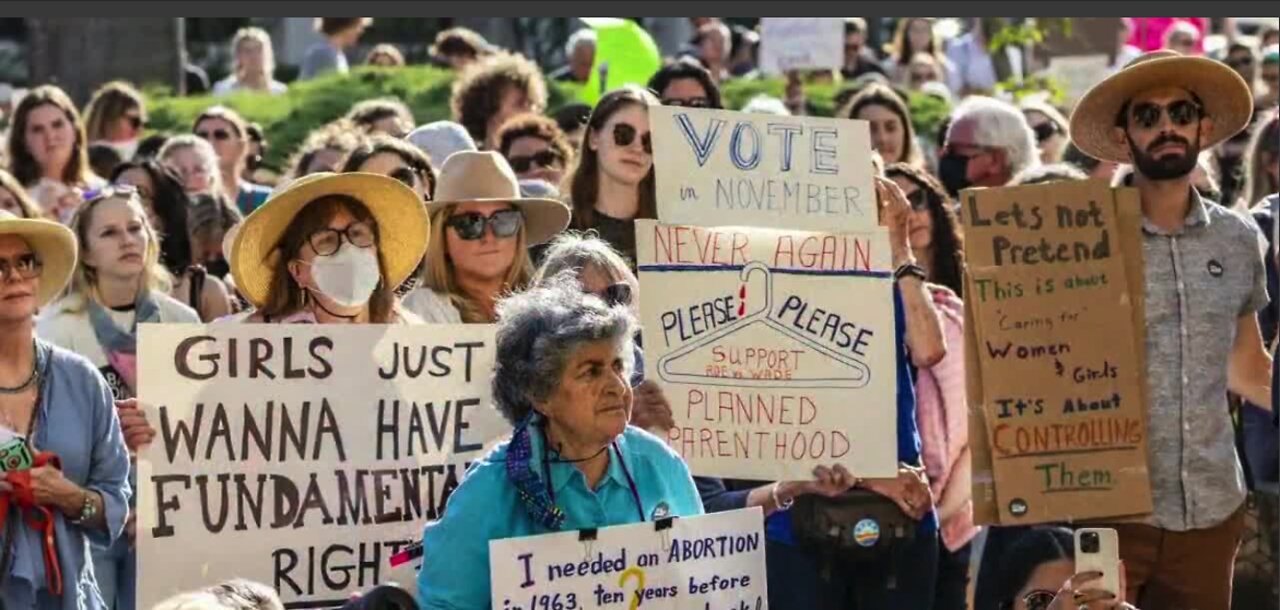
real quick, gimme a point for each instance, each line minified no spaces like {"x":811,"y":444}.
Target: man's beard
{"x":1168,"y":166}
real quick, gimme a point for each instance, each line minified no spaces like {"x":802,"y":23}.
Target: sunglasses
{"x":220,"y":135}
{"x":470,"y":226}
{"x":624,"y":135}
{"x":919,"y":200}
{"x":326,"y":242}
{"x":405,"y":175}
{"x":1182,"y":113}
{"x":1039,"y":599}
{"x":687,"y":102}
{"x":1240,"y":62}
{"x":136,"y":121}
{"x":26,"y":266}
{"x":923,"y":77}
{"x":545,"y":158}
{"x":616,"y":294}
{"x":110,"y":191}
{"x":1044,"y":131}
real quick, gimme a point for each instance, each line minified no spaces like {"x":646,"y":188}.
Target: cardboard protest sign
{"x":712,"y":561}
{"x":1054,"y":354}
{"x":775,"y":348}
{"x":801,"y":43}
{"x":716,"y":167}
{"x":303,"y":456}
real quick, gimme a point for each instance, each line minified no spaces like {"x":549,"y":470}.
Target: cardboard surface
{"x":775,"y":348}
{"x":1054,"y":353}
{"x":290,"y":454}
{"x":718,"y":168}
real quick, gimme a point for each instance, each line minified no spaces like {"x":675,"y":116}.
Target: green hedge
{"x":288,"y":118}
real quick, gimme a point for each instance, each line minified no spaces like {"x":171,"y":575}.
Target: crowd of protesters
{"x":531,"y":226}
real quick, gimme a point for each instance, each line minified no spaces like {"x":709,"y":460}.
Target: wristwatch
{"x":88,"y":510}
{"x":909,"y":269}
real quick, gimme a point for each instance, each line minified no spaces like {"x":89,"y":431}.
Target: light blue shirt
{"x":76,"y":419}
{"x":455,"y":567}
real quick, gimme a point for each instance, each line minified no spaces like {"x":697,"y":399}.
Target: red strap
{"x":37,"y":517}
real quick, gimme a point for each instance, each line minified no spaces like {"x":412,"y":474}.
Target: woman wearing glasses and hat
{"x":66,"y":467}
{"x":484,"y":229}
{"x":331,"y":249}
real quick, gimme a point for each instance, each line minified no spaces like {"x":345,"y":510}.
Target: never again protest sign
{"x":710,"y":562}
{"x":1055,"y":354}
{"x":716,"y":167}
{"x":776,"y":348}
{"x":303,"y":456}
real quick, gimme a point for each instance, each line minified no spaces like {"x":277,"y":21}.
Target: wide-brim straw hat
{"x":403,"y":227}
{"x":486,"y":177}
{"x":53,"y":244}
{"x":1226,"y":97}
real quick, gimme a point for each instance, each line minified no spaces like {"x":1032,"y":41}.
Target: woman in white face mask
{"x":330,"y":249}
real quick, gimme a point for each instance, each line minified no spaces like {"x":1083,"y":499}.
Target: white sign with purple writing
{"x":303,"y":456}
{"x":799,"y":43}
{"x":710,"y":562}
{"x":722,"y":168}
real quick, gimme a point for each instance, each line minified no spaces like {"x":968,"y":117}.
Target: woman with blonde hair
{"x":115,"y":117}
{"x":331,"y":249}
{"x":483,"y":229}
{"x":118,"y":284}
{"x":253,"y":67}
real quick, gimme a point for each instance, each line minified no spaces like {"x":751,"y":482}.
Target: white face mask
{"x":349,"y":276}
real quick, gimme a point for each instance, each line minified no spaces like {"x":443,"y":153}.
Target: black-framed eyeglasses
{"x":27,"y":266}
{"x":543,"y":158}
{"x":919,"y":200}
{"x":624,"y":134}
{"x":327,"y":241}
{"x":1044,"y":131}
{"x":687,"y":102}
{"x":1182,"y":113}
{"x":471,"y":225}
{"x":616,"y":294}
{"x":220,"y":135}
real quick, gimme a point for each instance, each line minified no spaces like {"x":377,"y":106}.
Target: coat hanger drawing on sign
{"x":860,"y":373}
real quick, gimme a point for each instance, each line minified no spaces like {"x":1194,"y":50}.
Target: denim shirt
{"x":76,"y":419}
{"x":455,"y":567}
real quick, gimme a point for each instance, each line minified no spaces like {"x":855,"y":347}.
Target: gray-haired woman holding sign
{"x":562,"y":378}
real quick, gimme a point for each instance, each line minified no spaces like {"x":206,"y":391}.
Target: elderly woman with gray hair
{"x":564,"y":360}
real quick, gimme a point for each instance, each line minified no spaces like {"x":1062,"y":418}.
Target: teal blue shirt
{"x":455,"y":566}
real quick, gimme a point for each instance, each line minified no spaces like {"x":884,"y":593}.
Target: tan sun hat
{"x":486,"y":177}
{"x":403,"y":227}
{"x":1226,"y":97}
{"x":53,"y":244}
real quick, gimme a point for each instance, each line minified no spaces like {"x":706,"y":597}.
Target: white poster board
{"x":711,"y":561}
{"x":1077,"y":74}
{"x":775,"y":348}
{"x":717,"y":167}
{"x":801,"y":43}
{"x":303,"y":456}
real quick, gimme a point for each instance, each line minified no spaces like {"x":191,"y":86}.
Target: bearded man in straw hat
{"x":1205,"y":281}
